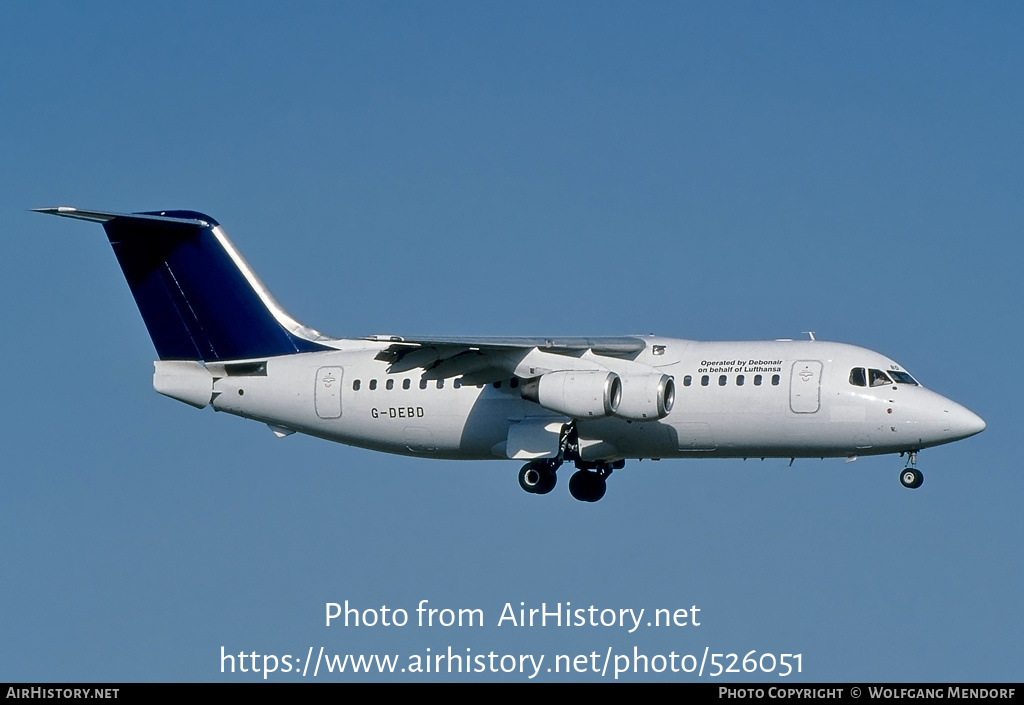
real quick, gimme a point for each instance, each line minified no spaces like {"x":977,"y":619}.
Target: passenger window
{"x":739,"y":380}
{"x":704,"y":381}
{"x":721,"y":380}
{"x":514,"y":383}
{"x":497,"y":385}
{"x":775,"y":380}
{"x":390,"y":384}
{"x":423,"y":384}
{"x":440,"y":384}
{"x":373,"y":384}
{"x":457,"y":383}
{"x":857,"y":377}
{"x":757,"y":380}
{"x":687,"y":380}
{"x":406,"y":383}
{"x":355,"y":385}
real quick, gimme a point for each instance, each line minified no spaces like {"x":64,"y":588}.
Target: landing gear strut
{"x":911,"y":477}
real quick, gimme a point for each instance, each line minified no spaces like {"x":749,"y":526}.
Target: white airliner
{"x":223,"y":340}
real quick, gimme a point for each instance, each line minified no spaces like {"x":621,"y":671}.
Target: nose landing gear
{"x":911,"y":477}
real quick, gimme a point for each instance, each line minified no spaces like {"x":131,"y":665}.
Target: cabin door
{"x":327,"y":393}
{"x":805,"y":387}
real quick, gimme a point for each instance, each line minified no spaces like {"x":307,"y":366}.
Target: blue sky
{"x":707,"y":170}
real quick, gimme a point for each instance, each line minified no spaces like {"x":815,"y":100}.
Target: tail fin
{"x":199,"y":299}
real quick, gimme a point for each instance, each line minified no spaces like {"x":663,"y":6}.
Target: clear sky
{"x":700,"y":170}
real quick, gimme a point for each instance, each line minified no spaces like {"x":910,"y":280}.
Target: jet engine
{"x":580,"y":394}
{"x":646,"y":397}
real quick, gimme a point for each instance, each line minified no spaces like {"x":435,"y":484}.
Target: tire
{"x":538,"y":477}
{"x":530,"y":478}
{"x":587,"y":486}
{"x":911,"y":478}
{"x":548,"y":480}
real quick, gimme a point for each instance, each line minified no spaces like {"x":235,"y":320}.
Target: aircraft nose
{"x":963,"y":422}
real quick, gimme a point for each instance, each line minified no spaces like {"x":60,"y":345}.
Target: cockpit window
{"x":877,"y":378}
{"x":903,"y":378}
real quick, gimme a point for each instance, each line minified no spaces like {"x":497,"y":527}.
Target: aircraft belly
{"x":694,"y":436}
{"x":616,"y":438}
{"x":455,"y":424}
{"x":313,"y":394}
{"x":414,"y":428}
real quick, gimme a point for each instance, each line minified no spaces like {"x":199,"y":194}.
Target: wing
{"x":487,"y":359}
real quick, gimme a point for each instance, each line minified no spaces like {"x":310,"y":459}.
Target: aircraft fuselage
{"x":733,"y":399}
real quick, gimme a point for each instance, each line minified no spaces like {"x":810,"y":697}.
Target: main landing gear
{"x":587,"y":484}
{"x":538,"y":477}
{"x":911,"y":477}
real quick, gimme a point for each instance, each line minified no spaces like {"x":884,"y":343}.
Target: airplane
{"x":223,"y":340}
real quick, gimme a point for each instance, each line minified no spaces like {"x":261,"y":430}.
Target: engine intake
{"x":581,"y":394}
{"x":647,"y":397}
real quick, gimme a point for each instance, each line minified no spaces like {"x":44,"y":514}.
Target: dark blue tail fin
{"x":199,"y":299}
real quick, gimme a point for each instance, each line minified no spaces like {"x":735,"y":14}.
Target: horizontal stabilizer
{"x":103,"y":216}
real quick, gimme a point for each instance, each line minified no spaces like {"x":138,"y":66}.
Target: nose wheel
{"x":911,"y":477}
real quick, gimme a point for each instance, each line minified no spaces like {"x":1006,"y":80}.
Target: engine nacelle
{"x":646,"y":397}
{"x":581,"y":394}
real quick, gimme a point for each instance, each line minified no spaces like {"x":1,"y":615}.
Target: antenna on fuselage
{"x":810,"y":333}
